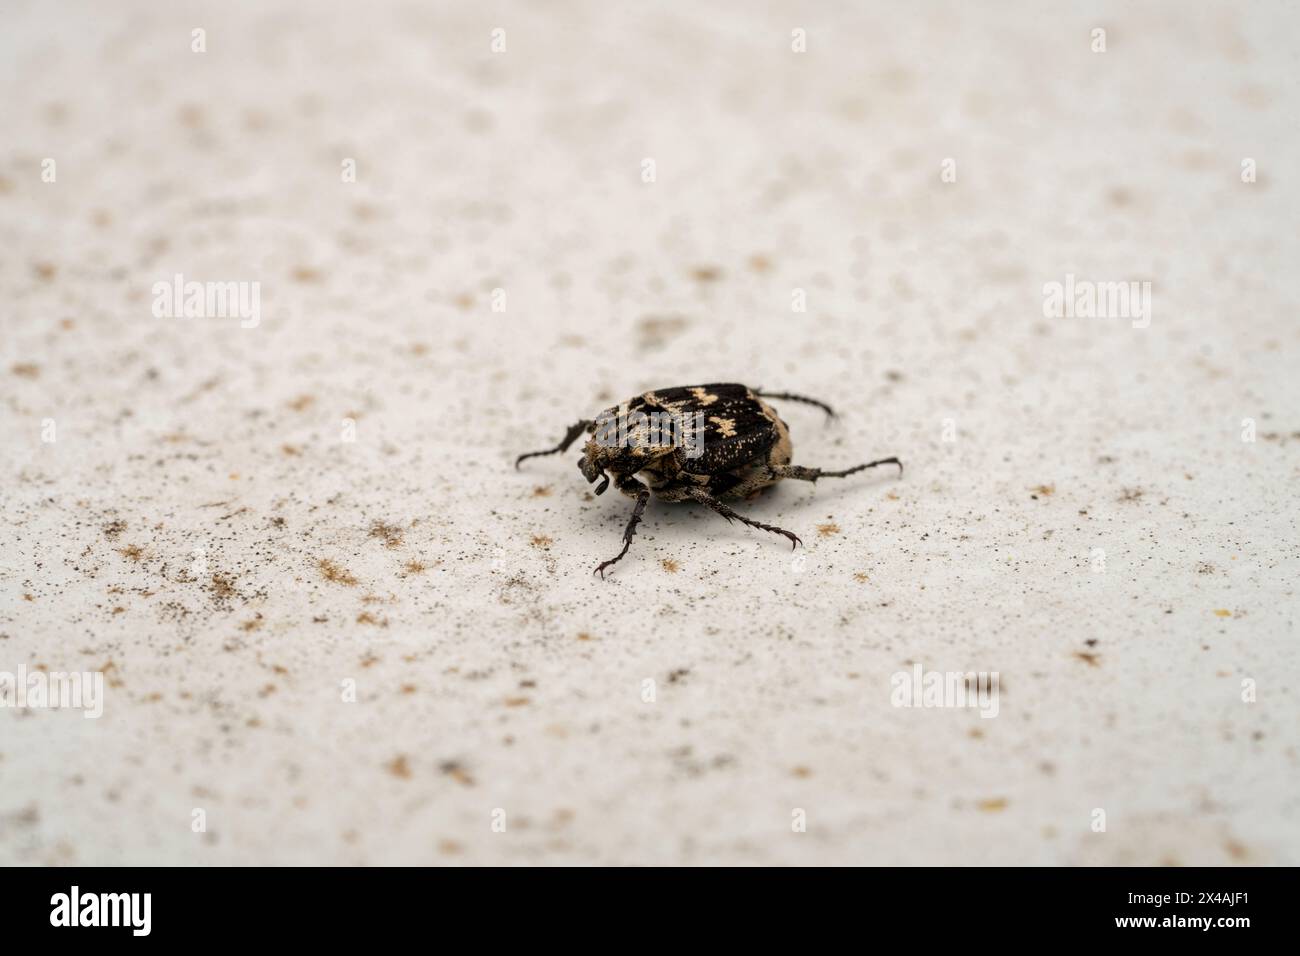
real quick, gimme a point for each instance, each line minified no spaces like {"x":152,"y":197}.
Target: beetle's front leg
{"x":634,"y":489}
{"x":569,"y":437}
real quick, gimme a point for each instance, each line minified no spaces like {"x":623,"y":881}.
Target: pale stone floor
{"x":235,"y":526}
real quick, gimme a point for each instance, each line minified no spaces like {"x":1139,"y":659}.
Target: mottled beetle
{"x":722,"y":441}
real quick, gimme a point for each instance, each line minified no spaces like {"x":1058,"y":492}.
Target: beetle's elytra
{"x":700,"y":443}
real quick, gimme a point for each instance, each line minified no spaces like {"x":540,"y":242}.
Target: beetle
{"x":703,"y":443}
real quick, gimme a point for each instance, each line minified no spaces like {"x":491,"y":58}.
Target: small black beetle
{"x":693,"y":443}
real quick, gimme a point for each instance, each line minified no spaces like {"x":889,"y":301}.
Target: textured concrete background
{"x":202,"y":531}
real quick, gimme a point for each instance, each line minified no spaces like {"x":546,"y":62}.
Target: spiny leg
{"x":704,"y":498}
{"x":569,"y":437}
{"x":787,"y":397}
{"x":629,"y":486}
{"x":812,"y":474}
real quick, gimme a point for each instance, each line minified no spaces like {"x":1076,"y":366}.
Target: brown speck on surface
{"x":584,"y":636}
{"x":860,"y":577}
{"x":112,"y":674}
{"x":415,"y":567}
{"x":132,"y":552}
{"x":1045,"y":490}
{"x":655,"y":331}
{"x":828,"y":529}
{"x":399,"y":767}
{"x":542,"y":491}
{"x":26,"y":370}
{"x":306,"y":274}
{"x":449,"y":848}
{"x":1089,"y":658}
{"x":191,"y":115}
{"x":706,"y":273}
{"x":302,"y":403}
{"x":801,"y":771}
{"x":45,"y":271}
{"x":760,"y":263}
{"x":390,"y":534}
{"x":365,"y":617}
{"x":518,"y":701}
{"x":336,"y":573}
{"x":457,"y":771}
{"x":114,"y":529}
{"x":669,"y":565}
{"x":541,"y":541}
{"x":1222,"y":612}
{"x":1131,"y":494}
{"x":992,"y":805}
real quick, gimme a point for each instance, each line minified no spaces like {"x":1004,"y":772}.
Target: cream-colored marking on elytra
{"x":638,"y":438}
{"x":703,"y":397}
{"x":725,"y":425}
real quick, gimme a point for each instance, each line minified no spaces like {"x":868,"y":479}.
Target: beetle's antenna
{"x":569,"y":437}
{"x":787,"y":397}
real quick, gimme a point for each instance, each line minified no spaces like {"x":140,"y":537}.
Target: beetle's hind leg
{"x":812,"y":474}
{"x":569,"y":437}
{"x":633,"y":487}
{"x":704,"y":498}
{"x":787,"y":397}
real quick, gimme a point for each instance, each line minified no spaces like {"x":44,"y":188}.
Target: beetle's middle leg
{"x":629,"y":486}
{"x":704,"y":498}
{"x":812,"y":474}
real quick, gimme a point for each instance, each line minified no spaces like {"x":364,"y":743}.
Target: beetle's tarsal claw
{"x":603,"y":486}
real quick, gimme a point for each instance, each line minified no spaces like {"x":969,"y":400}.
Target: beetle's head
{"x":622,"y":443}
{"x":592,"y":464}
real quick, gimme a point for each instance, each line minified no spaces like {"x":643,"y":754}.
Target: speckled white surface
{"x":493,"y":672}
